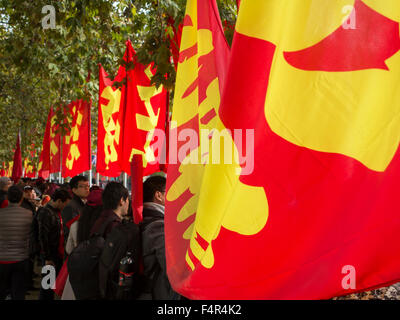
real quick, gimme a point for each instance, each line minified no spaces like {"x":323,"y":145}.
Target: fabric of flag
{"x":9,"y":169}
{"x":17,"y":162}
{"x":54,"y":144}
{"x":109,"y":128}
{"x":42,"y":173}
{"x":175,"y":40}
{"x":142,"y":114}
{"x":204,"y":56}
{"x":50,"y":157}
{"x":321,"y":94}
{"x":29,"y":169}
{"x":3,"y":172}
{"x":77,"y":143}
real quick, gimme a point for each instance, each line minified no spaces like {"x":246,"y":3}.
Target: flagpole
{"x":90,"y":177}
{"x":125,"y":179}
{"x":98,"y":179}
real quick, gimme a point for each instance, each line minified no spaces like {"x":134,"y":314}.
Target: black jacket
{"x":154,"y":261}
{"x":3,"y":196}
{"x":73,"y":209}
{"x":49,"y":233}
{"x":106,"y":215}
{"x":26,"y":204}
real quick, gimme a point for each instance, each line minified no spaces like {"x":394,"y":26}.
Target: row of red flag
{"x":321,"y":196}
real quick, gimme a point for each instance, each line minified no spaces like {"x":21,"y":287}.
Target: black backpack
{"x":83,"y":265}
{"x":122,"y":239}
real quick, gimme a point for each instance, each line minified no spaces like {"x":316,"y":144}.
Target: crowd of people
{"x":49,"y":224}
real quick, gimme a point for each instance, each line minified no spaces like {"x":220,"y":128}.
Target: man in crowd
{"x":5,"y":183}
{"x":80,"y":190}
{"x":15,"y":226}
{"x":28,"y":203}
{"x":29,"y":198}
{"x":51,"y":235}
{"x":116,"y":203}
{"x":153,"y":243}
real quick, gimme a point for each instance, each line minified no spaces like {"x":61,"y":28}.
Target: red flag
{"x":321,"y":201}
{"x":109,"y":128}
{"x":76,"y":143}
{"x":3,"y":170}
{"x":44,"y":161}
{"x":50,"y":156}
{"x":204,"y":56}
{"x":17,"y":167}
{"x":42,"y":172}
{"x":175,"y":41}
{"x":142,"y":114}
{"x":54,"y":145}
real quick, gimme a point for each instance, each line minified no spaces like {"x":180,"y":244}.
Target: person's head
{"x":14,"y":195}
{"x":154,"y":190}
{"x":80,"y":186}
{"x":116,"y":197}
{"x":5,"y":183}
{"x":29,"y":193}
{"x":60,"y":199}
{"x":39,"y":181}
{"x":52,"y":188}
{"x":44,"y":188}
{"x":25,"y":181}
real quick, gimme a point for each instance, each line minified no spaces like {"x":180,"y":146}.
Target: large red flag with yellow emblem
{"x":76,"y":152}
{"x":109,"y":127}
{"x":316,"y":216}
{"x":142,"y":116}
{"x":203,"y":59}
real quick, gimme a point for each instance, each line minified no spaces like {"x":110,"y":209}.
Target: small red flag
{"x":76,"y":143}
{"x":109,"y":127}
{"x":17,"y":167}
{"x":142,"y":114}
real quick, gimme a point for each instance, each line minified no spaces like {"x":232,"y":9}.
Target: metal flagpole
{"x":98,"y":179}
{"x":90,"y":177}
{"x":125,"y":180}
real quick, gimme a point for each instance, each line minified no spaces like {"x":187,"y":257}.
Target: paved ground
{"x":387,"y":293}
{"x":33,"y":294}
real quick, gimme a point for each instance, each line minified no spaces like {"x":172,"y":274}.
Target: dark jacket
{"x":107,"y":214}
{"x":3,"y":196}
{"x":15,"y":225}
{"x":26,"y":204}
{"x":153,"y":249}
{"x":73,"y":209}
{"x":49,"y":233}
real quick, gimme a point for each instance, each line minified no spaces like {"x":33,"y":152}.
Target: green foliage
{"x":40,"y":68}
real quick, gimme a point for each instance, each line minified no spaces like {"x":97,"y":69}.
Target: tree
{"x":44,"y":67}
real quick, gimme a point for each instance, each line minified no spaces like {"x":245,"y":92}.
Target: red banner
{"x":77,"y":143}
{"x":49,"y":161}
{"x":203,"y":60}
{"x":316,"y":215}
{"x":17,"y":162}
{"x":144,"y":111}
{"x":109,"y":127}
{"x":175,"y":41}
